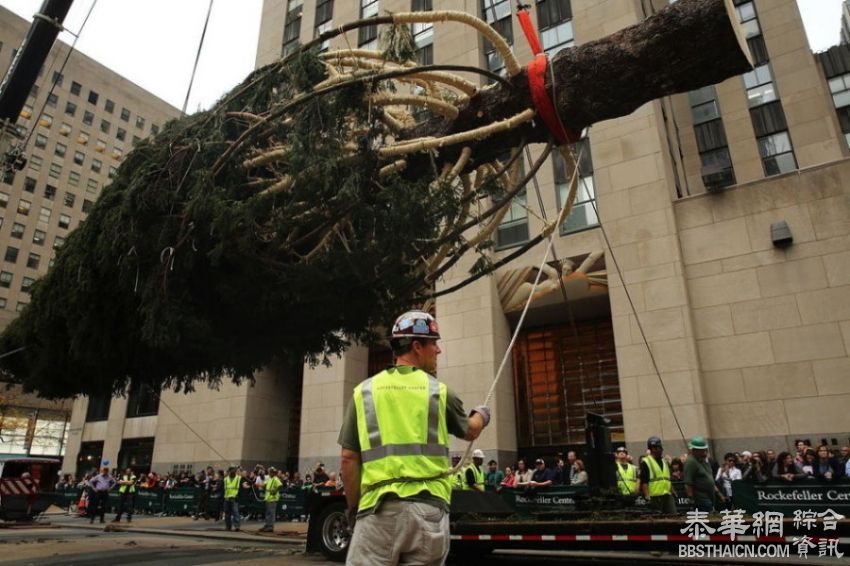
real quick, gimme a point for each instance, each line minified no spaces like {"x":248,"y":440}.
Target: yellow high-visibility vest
{"x":127,"y":488}
{"x":231,"y":486}
{"x":627,"y":479}
{"x":659,"y":477}
{"x":477,"y":473}
{"x":404,"y":444}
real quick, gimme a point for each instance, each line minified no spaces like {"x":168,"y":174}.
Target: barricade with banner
{"x":181,"y":501}
{"x":788,"y":498}
{"x":150,"y":500}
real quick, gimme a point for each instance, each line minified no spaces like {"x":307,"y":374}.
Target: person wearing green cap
{"x":699,"y":481}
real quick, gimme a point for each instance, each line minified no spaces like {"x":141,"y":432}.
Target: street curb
{"x":224,"y":535}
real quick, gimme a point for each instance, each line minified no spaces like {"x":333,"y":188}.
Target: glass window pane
{"x":841,"y":99}
{"x":775,"y":144}
{"x":750,"y":29}
{"x":761,"y":95}
{"x":705,"y":112}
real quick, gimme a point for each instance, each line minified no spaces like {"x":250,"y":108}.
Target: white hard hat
{"x":478,"y":454}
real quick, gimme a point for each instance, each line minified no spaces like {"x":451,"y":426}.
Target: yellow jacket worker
{"x":395,"y":452}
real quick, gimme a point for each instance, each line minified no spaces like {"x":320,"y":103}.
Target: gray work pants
{"x":271,"y":512}
{"x":231,"y":514}
{"x":401,"y":532}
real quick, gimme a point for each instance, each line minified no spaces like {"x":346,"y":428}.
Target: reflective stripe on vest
{"x":627,"y":479}
{"x":477,"y":473}
{"x":401,"y":425}
{"x":659,"y":477}
{"x":231,"y":486}
{"x":123,"y":488}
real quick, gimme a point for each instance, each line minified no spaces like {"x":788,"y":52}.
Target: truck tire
{"x":333,"y":532}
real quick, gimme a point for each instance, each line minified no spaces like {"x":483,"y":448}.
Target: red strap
{"x":537,"y":84}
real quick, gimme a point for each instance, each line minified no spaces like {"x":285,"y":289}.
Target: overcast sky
{"x":154,"y":42}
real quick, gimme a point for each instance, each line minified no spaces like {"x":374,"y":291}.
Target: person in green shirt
{"x":494,"y":475}
{"x":699,"y":481}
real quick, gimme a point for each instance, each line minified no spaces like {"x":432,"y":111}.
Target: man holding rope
{"x":395,"y":452}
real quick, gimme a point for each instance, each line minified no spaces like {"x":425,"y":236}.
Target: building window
{"x":24,"y":207}
{"x":140,"y":122}
{"x":83,"y":138}
{"x":117,"y":153}
{"x":79,"y":158}
{"x":18,"y":230}
{"x":21,"y":306}
{"x":26,"y":112}
{"x":45,"y":121}
{"x":105,"y":126}
{"x":29,"y":184}
{"x":34,"y":91}
{"x":497,"y":13}
{"x":121,"y":134}
{"x":367,"y":37}
{"x":323,"y":21}
{"x":33,"y":260}
{"x":44,"y":215}
{"x":87,"y":206}
{"x":423,"y":34}
{"x":69,"y":199}
{"x":583,"y":215}
{"x":35,"y":162}
{"x":64,"y":221}
{"x":125,"y":114}
{"x":73,"y":178}
{"x":88,"y":118}
{"x":136,"y":140}
{"x":58,"y":78}
{"x":40,"y":141}
{"x":52,"y":99}
{"x":91,"y":186}
{"x":777,"y":154}
{"x":70,"y":108}
{"x":58,"y":241}
{"x":65,"y":129}
{"x":100,"y":146}
{"x":749,"y":19}
{"x":136,"y":453}
{"x":26,"y":284}
{"x":759,"y":86}
{"x":5,"y":279}
{"x":11,"y":254}
{"x":55,"y":170}
{"x":93,"y":96}
{"x":76,"y":88}
{"x":154,"y":129}
{"x":60,"y":149}
{"x":38,"y":237}
{"x":291,"y":30}
{"x":554,"y":18}
{"x":2,"y":303}
{"x":109,"y":106}
{"x":840,"y":88}
{"x":49,"y":192}
{"x":112,"y":172}
{"x":97,"y":410}
{"x":142,"y":401}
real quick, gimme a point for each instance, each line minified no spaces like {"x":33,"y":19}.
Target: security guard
{"x":232,"y":520}
{"x":272,"y":489}
{"x":127,"y":493}
{"x":655,"y":478}
{"x":473,"y":475}
{"x":395,"y":452}
{"x":627,"y":474}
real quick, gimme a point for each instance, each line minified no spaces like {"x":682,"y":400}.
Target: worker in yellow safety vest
{"x":232,"y":480}
{"x":395,"y":452}
{"x":473,"y":475}
{"x":272,"y":487}
{"x":627,"y":473}
{"x":457,"y":479}
{"x":127,"y":496}
{"x":655,"y":478}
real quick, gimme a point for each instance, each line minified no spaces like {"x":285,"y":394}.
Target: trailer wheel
{"x":333,"y":532}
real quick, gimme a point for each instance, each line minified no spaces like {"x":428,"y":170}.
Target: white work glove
{"x":483,"y":411}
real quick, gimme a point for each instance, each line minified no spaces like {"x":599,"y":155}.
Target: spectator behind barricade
{"x":308,"y":481}
{"x":65,"y":482}
{"x":169,"y":483}
{"x":579,"y":476}
{"x":542,"y":476}
{"x":523,"y":474}
{"x":756,"y":470}
{"x":827,"y":468}
{"x":331,"y":481}
{"x":494,"y":475}
{"x":809,"y":462}
{"x":845,"y":460}
{"x":510,"y":478}
{"x":571,"y":459}
{"x":802,"y":447}
{"x":786,"y":468}
{"x":562,"y":474}
{"x":677,"y":471}
{"x":728,"y":473}
{"x":260,"y":481}
{"x":771,"y":459}
{"x":744,"y":460}
{"x":319,"y":474}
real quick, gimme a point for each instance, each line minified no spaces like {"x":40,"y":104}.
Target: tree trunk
{"x":685,"y":46}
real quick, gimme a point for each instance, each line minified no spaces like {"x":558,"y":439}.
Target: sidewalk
{"x":284,"y":533}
